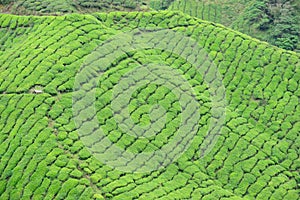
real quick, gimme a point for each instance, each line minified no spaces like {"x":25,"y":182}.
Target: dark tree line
{"x":5,"y":2}
{"x":279,"y":18}
{"x":160,"y":4}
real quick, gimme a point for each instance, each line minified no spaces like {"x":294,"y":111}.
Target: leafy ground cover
{"x":43,"y":156}
{"x":274,"y":21}
{"x":69,"y":6}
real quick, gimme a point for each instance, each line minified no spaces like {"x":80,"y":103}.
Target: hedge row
{"x":45,"y":156}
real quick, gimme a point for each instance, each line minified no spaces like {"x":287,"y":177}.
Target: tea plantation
{"x":46,"y":154}
{"x":274,"y":21}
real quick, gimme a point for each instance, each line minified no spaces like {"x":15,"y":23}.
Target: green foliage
{"x":276,"y":21}
{"x":84,"y":154}
{"x":160,"y":5}
{"x":4,"y":2}
{"x":76,"y":174}
{"x":43,"y":155}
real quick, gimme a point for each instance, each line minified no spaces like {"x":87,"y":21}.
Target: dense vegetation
{"x":40,"y":7}
{"x":274,"y":21}
{"x":42,"y":155}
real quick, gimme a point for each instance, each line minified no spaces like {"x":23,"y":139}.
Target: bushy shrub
{"x":84,"y":154}
{"x":5,"y":2}
{"x":76,"y":174}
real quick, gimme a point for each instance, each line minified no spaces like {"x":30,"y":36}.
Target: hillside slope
{"x":42,"y":7}
{"x":45,"y":156}
{"x":274,"y":21}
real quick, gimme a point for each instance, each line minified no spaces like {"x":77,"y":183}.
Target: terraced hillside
{"x":274,"y":21}
{"x":42,"y":7}
{"x":50,"y":7}
{"x":246,"y":147}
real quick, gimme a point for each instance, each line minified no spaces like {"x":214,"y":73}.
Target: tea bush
{"x":44,"y":155}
